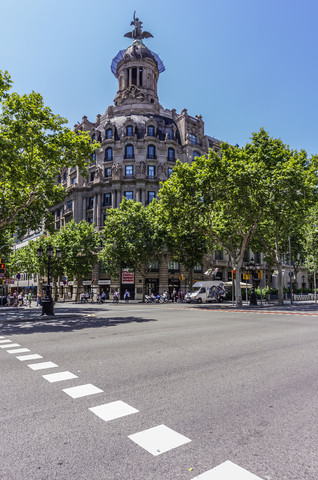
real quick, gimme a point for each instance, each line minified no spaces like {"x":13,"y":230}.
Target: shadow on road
{"x":24,"y":322}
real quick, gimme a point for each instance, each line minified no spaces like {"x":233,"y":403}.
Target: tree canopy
{"x":35,"y":145}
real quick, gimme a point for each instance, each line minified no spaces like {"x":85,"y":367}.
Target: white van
{"x":207,"y":291}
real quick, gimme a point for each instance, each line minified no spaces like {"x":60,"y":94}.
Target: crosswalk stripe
{"x":34,"y":356}
{"x":113,"y":410}
{"x":158,"y":440}
{"x":82,"y":390}
{"x":58,"y":377}
{"x":5,"y":341}
{"x":10,"y":345}
{"x":19,"y":350}
{"x":42,"y":366}
{"x":227,"y":471}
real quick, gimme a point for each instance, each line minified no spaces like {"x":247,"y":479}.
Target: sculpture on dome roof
{"x":137,"y":33}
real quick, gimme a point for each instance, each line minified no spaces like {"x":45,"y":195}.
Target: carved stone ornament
{"x":131,"y":92}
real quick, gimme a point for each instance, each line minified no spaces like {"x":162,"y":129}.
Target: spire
{"x":137,"y":33}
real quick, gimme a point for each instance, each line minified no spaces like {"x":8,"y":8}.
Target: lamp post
{"x":252,"y":267}
{"x":47,"y":300}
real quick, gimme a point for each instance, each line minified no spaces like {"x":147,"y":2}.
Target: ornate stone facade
{"x":140,"y":143}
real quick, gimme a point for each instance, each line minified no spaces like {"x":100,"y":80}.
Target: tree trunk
{"x":238,"y":292}
{"x":280,"y":284}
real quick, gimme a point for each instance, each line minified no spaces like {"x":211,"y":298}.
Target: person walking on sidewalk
{"x":127,"y":296}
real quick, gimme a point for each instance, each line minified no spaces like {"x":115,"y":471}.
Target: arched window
{"x":129,"y":151}
{"x":151,"y":151}
{"x":108,"y":154}
{"x":151,"y":131}
{"x":171,"y":154}
{"x":129,"y":131}
{"x":109,"y":133}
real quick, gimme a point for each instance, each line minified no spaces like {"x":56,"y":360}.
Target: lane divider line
{"x":59,"y":376}
{"x":42,"y":366}
{"x":158,"y":440}
{"x":113,"y":410}
{"x":82,"y":390}
{"x":227,"y":471}
{"x":34,"y":356}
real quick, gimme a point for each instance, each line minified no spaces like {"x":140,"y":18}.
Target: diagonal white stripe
{"x":82,"y":390}
{"x":227,"y":471}
{"x":5,"y":341}
{"x":42,"y":366}
{"x":19,"y":350}
{"x":10,"y":345}
{"x":113,"y":410}
{"x":34,"y":356}
{"x":159,"y":439}
{"x":58,"y":377}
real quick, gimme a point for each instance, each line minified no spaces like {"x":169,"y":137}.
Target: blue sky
{"x":241,"y":64}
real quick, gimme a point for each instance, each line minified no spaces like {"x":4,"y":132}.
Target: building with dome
{"x":140,"y":143}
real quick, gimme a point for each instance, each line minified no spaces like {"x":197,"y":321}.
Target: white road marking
{"x":113,"y":410}
{"x":19,"y":350}
{"x":11,"y":345}
{"x":227,"y":471}
{"x":82,"y":390}
{"x":58,"y":377}
{"x":42,"y":366}
{"x":159,"y":439}
{"x":2,"y":337}
{"x":5,"y":341}
{"x":34,"y":356}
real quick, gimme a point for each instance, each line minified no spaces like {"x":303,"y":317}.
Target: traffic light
{"x":260,"y":274}
{"x":2,"y":267}
{"x":233,"y":275}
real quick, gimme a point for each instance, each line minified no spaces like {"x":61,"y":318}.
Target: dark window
{"x":171,"y":154}
{"x":151,"y":196}
{"x":129,"y":170}
{"x":170,"y":170}
{"x":134,"y":76}
{"x":173,"y":266}
{"x":73,"y":180}
{"x":195,"y":154}
{"x":64,"y":177}
{"x":129,"y":195}
{"x":108,"y":154}
{"x":129,"y":151}
{"x":151,"y":171}
{"x":90,"y":202}
{"x":92,"y":176}
{"x":193,"y":139}
{"x":151,"y":131}
{"x":93,"y":157}
{"x":140,"y":76}
{"x":69,"y":205}
{"x":198,"y":268}
{"x":90,"y":220}
{"x":218,"y":254}
{"x":129,"y":131}
{"x":170,"y":135}
{"x":104,"y":218}
{"x":59,"y":179}
{"x":109,"y":133}
{"x":107,"y":199}
{"x":107,"y":172}
{"x":151,"y":152}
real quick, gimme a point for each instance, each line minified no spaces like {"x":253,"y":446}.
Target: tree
{"x":291,"y":179}
{"x":80,"y":244}
{"x":131,"y":239}
{"x":218,"y":198}
{"x":35,"y":145}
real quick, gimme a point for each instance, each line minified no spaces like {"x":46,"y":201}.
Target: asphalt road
{"x":181,"y":390}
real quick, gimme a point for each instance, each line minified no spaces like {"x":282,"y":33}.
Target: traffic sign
{"x":18,"y":276}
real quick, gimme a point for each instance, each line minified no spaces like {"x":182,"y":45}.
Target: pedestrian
{"x":98,"y":298}
{"x":127,"y":296}
{"x":174,"y":293}
{"x":82,"y":297}
{"x":8,"y":300}
{"x":86,"y":297}
{"x":69,"y":296}
{"x":20,"y":300}
{"x":38,"y":300}
{"x":15,"y":299}
{"x":115,"y":296}
{"x":103,"y":297}
{"x":29,"y":299}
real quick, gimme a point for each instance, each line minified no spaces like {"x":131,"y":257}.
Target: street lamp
{"x":47,"y":300}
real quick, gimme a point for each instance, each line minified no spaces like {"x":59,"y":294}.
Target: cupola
{"x":137,"y":69}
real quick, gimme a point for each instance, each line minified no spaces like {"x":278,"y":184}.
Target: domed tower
{"x":137,"y":69}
